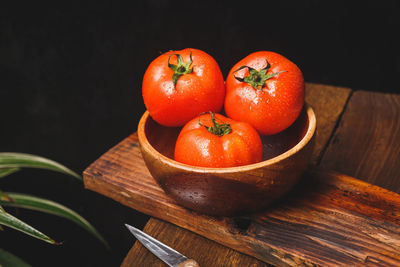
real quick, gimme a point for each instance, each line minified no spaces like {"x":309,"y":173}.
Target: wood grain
{"x":367,"y":142}
{"x":328,"y":103}
{"x":327,"y":219}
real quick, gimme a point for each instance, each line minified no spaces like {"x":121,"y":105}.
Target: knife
{"x":168,"y":255}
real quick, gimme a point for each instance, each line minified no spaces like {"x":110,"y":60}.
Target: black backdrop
{"x":70,"y":87}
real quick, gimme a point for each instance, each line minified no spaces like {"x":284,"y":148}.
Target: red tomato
{"x":266,"y":90}
{"x":178,"y":85}
{"x":212,"y":140}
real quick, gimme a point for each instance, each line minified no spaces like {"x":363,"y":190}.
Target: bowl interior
{"x":163,"y":138}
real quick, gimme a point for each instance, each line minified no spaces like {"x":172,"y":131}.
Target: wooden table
{"x":358,"y":134}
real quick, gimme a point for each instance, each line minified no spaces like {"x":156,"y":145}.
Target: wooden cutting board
{"x":327,"y":219}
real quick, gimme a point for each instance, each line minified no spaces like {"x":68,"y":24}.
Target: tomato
{"x":178,"y":85}
{"x":212,"y":140}
{"x":266,"y":90}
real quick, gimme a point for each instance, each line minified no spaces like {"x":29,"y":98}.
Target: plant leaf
{"x":10,"y":260}
{"x":13,"y":222}
{"x":7,"y":171}
{"x":48,"y":206}
{"x":21,"y":160}
{"x":1,"y":210}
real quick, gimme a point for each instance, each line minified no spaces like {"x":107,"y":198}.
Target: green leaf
{"x":21,"y":160}
{"x":1,"y":211}
{"x":15,"y":223}
{"x":48,"y":206}
{"x":10,"y":260}
{"x":7,"y":171}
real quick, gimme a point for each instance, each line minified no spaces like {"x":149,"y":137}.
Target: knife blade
{"x":168,"y":255}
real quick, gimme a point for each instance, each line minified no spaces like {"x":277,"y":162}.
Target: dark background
{"x":70,"y":88}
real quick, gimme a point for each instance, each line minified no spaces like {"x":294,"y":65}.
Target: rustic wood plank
{"x":328,"y":219}
{"x":367,"y":142}
{"x":328,"y":103}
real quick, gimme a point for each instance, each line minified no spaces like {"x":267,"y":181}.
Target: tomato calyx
{"x":181,"y":68}
{"x":256,"y":78}
{"x":219,"y":129}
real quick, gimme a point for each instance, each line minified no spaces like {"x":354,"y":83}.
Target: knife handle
{"x":189,"y":263}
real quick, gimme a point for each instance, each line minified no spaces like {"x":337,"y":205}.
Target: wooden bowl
{"x":229,"y":191}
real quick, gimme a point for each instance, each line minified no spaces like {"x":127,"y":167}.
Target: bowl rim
{"x":145,"y":144}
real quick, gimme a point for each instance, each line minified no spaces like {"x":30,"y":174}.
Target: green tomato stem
{"x":257,"y":79}
{"x":181,"y":68}
{"x":219,"y":129}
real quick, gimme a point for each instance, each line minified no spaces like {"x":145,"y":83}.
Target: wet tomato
{"x":212,"y":140}
{"x":178,"y":85}
{"x":266,"y":90}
